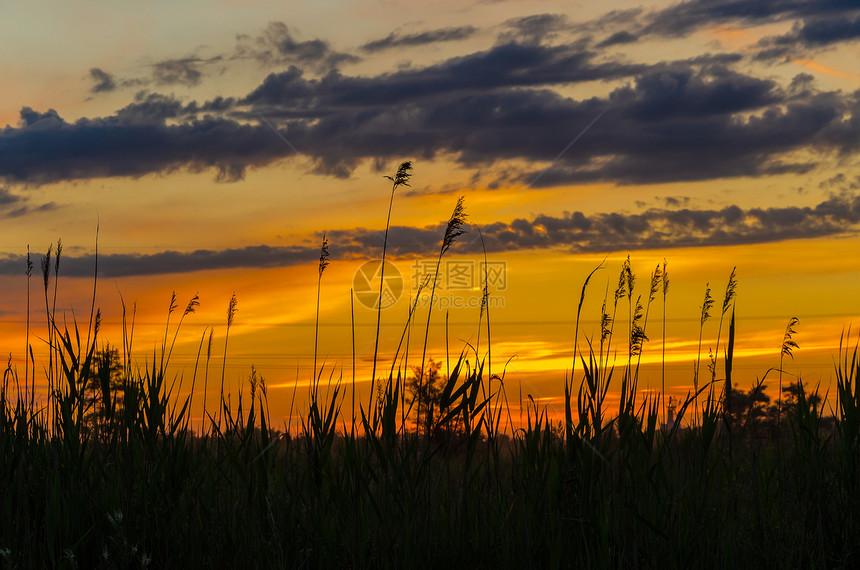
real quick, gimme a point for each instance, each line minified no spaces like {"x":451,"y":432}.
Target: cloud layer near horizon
{"x":655,"y":228}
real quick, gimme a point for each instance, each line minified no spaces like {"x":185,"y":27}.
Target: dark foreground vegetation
{"x":108,"y":470}
{"x":142,"y":491}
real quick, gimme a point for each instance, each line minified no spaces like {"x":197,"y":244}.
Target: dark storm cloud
{"x":103,"y":81}
{"x":421,"y":38}
{"x":277,"y":46}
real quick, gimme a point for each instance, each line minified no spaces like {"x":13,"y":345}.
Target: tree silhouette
{"x":428,"y":391}
{"x":103,"y":392}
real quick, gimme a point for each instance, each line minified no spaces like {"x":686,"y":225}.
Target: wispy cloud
{"x":276,"y":45}
{"x":394,"y":39}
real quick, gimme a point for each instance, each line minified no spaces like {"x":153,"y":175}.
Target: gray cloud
{"x":685,"y":17}
{"x":7,"y":197}
{"x":618,"y":38}
{"x":124,"y":145}
{"x":538,"y":28}
{"x":103,"y":81}
{"x":421,"y":38}
{"x":14,"y":206}
{"x":688,"y":120}
{"x":810,"y":35}
{"x":125,"y":265}
{"x":277,"y":46}
{"x":613,"y":232}
{"x":185,"y":71}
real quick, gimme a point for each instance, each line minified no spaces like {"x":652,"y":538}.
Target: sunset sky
{"x":209,"y":145}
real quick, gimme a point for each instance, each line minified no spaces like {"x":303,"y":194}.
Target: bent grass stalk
{"x":452,"y":231}
{"x":401,"y":178}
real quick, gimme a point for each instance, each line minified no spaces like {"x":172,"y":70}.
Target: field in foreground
{"x":122,"y":481}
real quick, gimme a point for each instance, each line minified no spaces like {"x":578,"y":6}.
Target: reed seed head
{"x":787,"y":343}
{"x":46,"y":266}
{"x":629,"y":277}
{"x":192,"y":305}
{"x":707,"y":304}
{"x":324,"y":255}
{"x":665,"y":278}
{"x":403,"y":174}
{"x":605,"y":323}
{"x":209,"y":346}
{"x":57,"y":258}
{"x":231,"y":310}
{"x":655,"y":283}
{"x":173,"y":305}
{"x":730,"y":291}
{"x":454,"y":228}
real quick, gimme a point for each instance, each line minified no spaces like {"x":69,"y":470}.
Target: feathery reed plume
{"x":728,"y":298}
{"x":452,"y":231}
{"x":707,"y":304}
{"x":637,"y":331}
{"x":728,"y":302}
{"x":401,"y":178}
{"x":191,"y":307}
{"x":324,"y":255}
{"x":609,"y":322}
{"x":788,"y":344}
{"x":231,"y":312}
{"x":652,"y":294}
{"x":605,"y":324}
